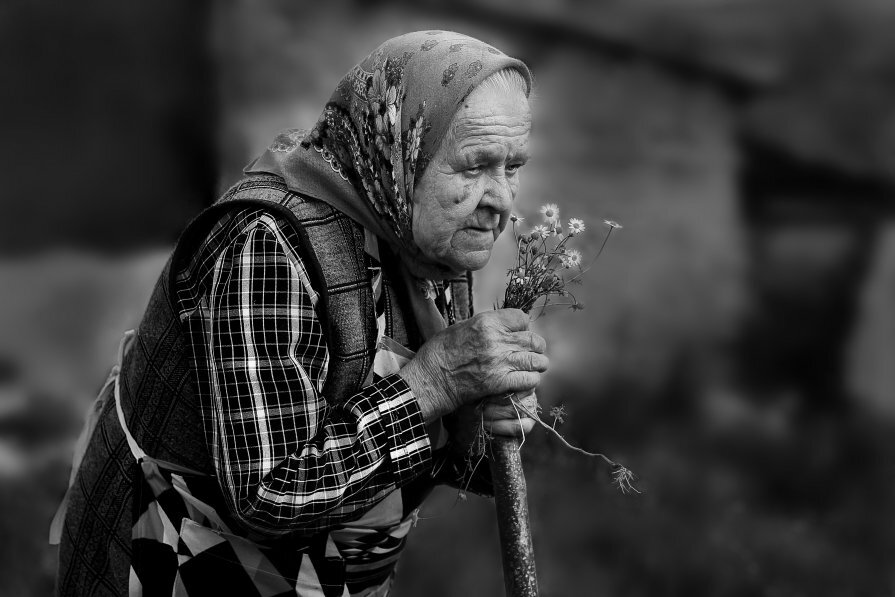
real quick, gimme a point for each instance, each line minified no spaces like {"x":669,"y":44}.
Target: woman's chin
{"x":472,"y":260}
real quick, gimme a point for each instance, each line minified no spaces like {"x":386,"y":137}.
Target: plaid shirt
{"x":286,"y":458}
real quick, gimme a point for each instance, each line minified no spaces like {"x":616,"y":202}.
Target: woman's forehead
{"x":491,"y":116}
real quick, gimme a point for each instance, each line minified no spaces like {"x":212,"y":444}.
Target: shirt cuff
{"x":388,"y":411}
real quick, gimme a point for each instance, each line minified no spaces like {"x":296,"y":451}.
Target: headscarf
{"x":378,"y":133}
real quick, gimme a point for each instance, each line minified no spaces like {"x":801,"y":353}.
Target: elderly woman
{"x":276,"y":419}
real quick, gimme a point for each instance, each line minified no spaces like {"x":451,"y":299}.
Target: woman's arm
{"x":286,"y":458}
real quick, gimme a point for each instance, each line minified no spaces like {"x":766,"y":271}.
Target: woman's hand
{"x":497,"y":415}
{"x":502,"y":417}
{"x":490,"y":354}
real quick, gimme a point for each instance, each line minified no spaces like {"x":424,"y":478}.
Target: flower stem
{"x":622,"y":476}
{"x":594,"y":260}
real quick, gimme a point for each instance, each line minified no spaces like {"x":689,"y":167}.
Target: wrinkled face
{"x":462,"y":201}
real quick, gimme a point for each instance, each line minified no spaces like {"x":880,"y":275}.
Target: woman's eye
{"x":475,"y":170}
{"x":513,"y":168}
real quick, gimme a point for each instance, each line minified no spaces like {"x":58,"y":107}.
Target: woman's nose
{"x":498,"y":195}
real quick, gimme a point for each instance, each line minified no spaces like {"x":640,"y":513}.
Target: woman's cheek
{"x":470,"y":194}
{"x":460,"y":200}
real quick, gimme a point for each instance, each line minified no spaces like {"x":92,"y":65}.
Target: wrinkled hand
{"x":501,"y":417}
{"x":490,"y":354}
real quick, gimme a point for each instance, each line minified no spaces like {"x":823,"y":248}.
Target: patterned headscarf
{"x":380,"y":129}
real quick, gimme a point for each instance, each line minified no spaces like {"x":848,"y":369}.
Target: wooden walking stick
{"x":511,"y":499}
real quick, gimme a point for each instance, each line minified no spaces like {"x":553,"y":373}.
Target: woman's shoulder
{"x":261,"y":208}
{"x":257,"y":203}
{"x":263,"y":189}
{"x":234,"y":232}
{"x":256,"y":187}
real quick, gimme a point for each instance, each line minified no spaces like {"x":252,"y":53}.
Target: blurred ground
{"x":751,"y":485}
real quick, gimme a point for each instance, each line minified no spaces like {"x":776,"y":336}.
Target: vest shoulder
{"x":257,"y":187}
{"x":269,"y":188}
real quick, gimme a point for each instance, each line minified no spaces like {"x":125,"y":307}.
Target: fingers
{"x":503,"y":399}
{"x":502,"y":417}
{"x":513,"y":320}
{"x":528,"y":361}
{"x":504,"y":407}
{"x":522,"y":381}
{"x":515,"y":427}
{"x":529,"y":402}
{"x":529,"y":341}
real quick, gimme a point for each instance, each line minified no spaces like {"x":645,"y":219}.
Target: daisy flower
{"x":571,"y":259}
{"x":539,"y":232}
{"x":576,"y":226}
{"x":550,"y":212}
{"x":514,"y":218}
{"x":612,"y":224}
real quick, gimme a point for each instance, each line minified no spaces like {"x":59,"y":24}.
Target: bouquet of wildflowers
{"x":545,"y":266}
{"x":543,"y":260}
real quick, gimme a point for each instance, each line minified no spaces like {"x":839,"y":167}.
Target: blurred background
{"x":737,"y":350}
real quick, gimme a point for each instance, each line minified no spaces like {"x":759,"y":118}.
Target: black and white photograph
{"x":494,"y":298}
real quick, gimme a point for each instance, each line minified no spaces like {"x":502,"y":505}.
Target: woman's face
{"x":462,"y":201}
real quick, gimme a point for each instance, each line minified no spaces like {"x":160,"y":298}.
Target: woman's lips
{"x":480,"y":238}
{"x":473,"y":239}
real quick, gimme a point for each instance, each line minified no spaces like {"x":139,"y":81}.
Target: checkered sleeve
{"x":287,"y":458}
